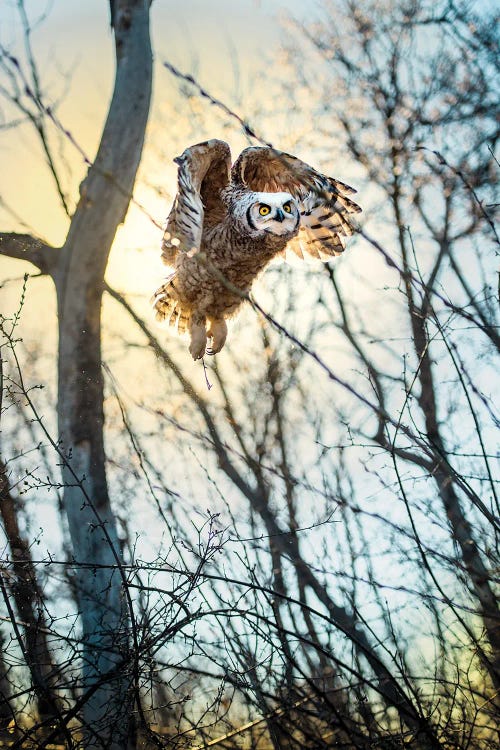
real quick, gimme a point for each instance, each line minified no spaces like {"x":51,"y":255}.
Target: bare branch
{"x":29,"y":248}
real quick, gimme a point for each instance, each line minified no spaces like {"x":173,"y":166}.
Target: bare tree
{"x":77,"y":269}
{"x":7,"y":713}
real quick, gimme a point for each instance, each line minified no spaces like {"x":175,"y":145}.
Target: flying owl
{"x":226,"y":224}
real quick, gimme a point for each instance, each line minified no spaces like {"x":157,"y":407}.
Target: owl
{"x":227,"y":223}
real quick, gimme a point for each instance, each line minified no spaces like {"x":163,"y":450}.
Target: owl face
{"x":273,"y":213}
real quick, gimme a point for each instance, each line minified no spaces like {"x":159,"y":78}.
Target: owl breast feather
{"x":237,"y":260}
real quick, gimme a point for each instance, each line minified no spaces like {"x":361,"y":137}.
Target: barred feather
{"x":203,"y":172}
{"x":168,"y":308}
{"x":323,"y":202}
{"x":324,"y":225}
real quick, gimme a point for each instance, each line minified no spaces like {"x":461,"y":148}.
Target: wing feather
{"x":325,"y":209}
{"x":203,"y":172}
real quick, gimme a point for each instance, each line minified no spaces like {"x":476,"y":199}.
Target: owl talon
{"x":198,"y":337}
{"x":196,"y":354}
{"x":217,"y":332}
{"x":197,"y":349}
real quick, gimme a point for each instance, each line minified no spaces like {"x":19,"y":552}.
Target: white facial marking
{"x":273,"y":213}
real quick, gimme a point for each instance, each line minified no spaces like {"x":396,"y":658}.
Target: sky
{"x":231,"y":47}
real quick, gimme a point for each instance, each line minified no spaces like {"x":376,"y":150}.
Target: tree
{"x":77,"y":269}
{"x":28,"y":599}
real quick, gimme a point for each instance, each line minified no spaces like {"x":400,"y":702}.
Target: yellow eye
{"x":264,"y":210}
{"x":287,"y":208}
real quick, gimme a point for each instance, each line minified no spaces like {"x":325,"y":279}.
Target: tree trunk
{"x":479,"y":576}
{"x":79,"y":278}
{"x":6,"y":706}
{"x":28,"y":600}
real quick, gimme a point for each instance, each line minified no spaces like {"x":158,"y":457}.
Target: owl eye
{"x":287,"y":208}
{"x":264,"y":210}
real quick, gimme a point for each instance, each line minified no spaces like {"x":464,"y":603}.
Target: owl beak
{"x":280,"y":216}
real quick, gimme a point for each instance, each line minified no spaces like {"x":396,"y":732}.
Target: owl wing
{"x":325,"y":210}
{"x":204,"y":170}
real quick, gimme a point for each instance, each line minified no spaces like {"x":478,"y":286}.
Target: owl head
{"x":272,"y":213}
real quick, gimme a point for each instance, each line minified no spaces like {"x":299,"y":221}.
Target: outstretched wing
{"x":204,"y":170}
{"x":325,"y":209}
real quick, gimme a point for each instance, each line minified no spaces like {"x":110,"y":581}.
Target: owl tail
{"x":169,"y":309}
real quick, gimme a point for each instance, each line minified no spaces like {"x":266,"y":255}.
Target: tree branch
{"x":32,"y":249}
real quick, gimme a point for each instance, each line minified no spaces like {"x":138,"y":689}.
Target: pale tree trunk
{"x":79,"y":278}
{"x":78,"y":271}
